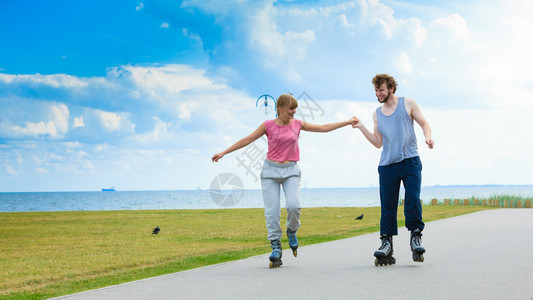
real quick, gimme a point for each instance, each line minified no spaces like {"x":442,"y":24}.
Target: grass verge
{"x":47,"y":254}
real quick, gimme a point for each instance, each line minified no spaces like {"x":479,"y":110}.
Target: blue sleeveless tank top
{"x":399,"y":139}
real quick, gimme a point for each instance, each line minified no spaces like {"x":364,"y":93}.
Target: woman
{"x":281,"y":169}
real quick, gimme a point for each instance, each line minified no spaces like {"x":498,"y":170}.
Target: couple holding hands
{"x":393,"y":130}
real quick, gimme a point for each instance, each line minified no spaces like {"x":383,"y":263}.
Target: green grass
{"x":47,"y":254}
{"x":500,"y":200}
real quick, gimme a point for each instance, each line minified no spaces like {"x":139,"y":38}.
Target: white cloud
{"x":37,"y":160}
{"x":36,"y":129}
{"x":72,"y":145}
{"x":321,"y":46}
{"x":378,"y":14}
{"x":160,"y":132}
{"x":110,"y":120}
{"x":418,"y":32}
{"x":54,"y":80}
{"x":41,"y":171}
{"x":114,"y":121}
{"x":156,"y":81}
{"x":60,"y":114}
{"x":78,"y":122}
{"x":467,"y":140}
{"x":164,"y":25}
{"x":139,"y":6}
{"x":101,"y":147}
{"x":404,"y":63}
{"x":186,"y":109}
{"x":502,"y":68}
{"x":344,"y":20}
{"x":177,"y":91}
{"x":89,"y":167}
{"x":10,"y":170}
{"x":280,"y":49}
{"x":453,"y":26}
{"x":192,"y":36}
{"x":173,"y":94}
{"x":55,"y":128}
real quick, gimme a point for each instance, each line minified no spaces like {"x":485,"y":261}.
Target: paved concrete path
{"x":484,"y":255}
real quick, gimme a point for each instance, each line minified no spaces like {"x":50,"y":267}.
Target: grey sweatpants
{"x":273,"y":176}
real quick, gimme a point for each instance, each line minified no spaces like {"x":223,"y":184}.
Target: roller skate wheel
{"x":275,"y":264}
{"x":384,"y":261}
{"x":418,"y":257}
{"x":295,"y":252}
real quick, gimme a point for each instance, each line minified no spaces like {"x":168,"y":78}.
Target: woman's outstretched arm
{"x":328,"y":127}
{"x":242,"y":142}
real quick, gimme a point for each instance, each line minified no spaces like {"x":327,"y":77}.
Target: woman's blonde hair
{"x":286,"y":100}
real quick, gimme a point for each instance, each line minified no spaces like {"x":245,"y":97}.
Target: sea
{"x":233,"y":198}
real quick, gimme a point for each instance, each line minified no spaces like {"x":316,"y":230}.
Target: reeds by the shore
{"x":502,"y":201}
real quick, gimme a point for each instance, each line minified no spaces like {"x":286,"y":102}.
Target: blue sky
{"x":141,"y":94}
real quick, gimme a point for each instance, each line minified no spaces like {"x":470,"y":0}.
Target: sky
{"x":141,"y":94}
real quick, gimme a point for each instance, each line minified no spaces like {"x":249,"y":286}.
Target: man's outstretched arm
{"x":375,"y":138}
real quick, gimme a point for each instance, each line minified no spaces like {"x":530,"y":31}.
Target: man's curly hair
{"x":379,"y":79}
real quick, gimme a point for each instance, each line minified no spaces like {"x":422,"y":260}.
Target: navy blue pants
{"x":408,"y":171}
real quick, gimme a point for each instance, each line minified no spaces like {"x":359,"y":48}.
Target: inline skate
{"x":293,"y":241}
{"x":384,"y":253}
{"x":275,"y":257}
{"x":416,"y":245}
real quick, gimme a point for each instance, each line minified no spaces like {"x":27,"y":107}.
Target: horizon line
{"x":303,"y":188}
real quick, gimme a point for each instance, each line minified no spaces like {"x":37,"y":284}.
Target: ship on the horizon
{"x":111,"y":189}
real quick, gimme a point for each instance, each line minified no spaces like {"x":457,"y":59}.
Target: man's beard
{"x":386,"y":99}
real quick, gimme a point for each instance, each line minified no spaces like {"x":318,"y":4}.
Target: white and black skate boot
{"x":384,"y":253}
{"x":416,"y":245}
{"x":275,"y":257}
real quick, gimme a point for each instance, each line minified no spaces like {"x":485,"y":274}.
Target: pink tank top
{"x":283,"y":140}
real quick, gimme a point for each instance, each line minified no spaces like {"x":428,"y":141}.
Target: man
{"x":400,"y":162}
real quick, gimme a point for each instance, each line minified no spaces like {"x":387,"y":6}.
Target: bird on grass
{"x":360,"y":217}
{"x":156,"y":230}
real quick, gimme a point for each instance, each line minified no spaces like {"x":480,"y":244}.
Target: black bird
{"x":360,"y":217}
{"x":156,"y":230}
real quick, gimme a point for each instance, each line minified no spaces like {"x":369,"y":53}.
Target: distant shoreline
{"x":482,"y":185}
{"x":306,"y":188}
{"x":237,"y":197}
